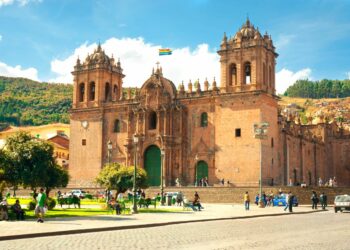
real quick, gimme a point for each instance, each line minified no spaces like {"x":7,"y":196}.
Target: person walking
{"x":323,"y":200}
{"x":290,"y":202}
{"x":314,"y":200}
{"x":39,"y":209}
{"x":246,"y":201}
{"x":287,"y":199}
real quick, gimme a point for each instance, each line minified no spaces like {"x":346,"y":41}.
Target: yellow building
{"x":57,"y":134}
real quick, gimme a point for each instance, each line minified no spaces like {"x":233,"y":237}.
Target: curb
{"x":95,"y":230}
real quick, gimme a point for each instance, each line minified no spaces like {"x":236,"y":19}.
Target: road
{"x":307,"y":231}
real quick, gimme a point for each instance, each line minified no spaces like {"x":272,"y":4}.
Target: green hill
{"x":26,"y":102}
{"x":319,"y":89}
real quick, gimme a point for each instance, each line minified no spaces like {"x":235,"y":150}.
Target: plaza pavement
{"x":74,"y":225}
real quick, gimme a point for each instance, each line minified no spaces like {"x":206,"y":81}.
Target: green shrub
{"x":51,"y":203}
{"x":31,"y":205}
{"x":88,"y":196}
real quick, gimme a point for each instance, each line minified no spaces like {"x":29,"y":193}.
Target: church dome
{"x":98,"y":57}
{"x":247,"y":31}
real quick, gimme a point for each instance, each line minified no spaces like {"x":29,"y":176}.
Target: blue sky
{"x":40,"y":38}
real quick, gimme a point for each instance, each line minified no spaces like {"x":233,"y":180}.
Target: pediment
{"x":158,"y":83}
{"x":202,"y":148}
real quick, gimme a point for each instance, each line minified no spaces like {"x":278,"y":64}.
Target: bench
{"x":147,"y":202}
{"x":188,"y":205}
{"x":69,"y":201}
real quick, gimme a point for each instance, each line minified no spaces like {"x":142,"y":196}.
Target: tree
{"x":58,"y":177}
{"x":319,"y":89}
{"x":119,"y":177}
{"x":30,"y":162}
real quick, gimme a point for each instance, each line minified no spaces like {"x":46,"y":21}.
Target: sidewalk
{"x":62,"y":226}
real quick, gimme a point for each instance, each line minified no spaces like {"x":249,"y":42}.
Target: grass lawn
{"x":92,"y":202}
{"x":22,"y":201}
{"x":69,"y":212}
{"x":25,"y":201}
{"x":76,"y":212}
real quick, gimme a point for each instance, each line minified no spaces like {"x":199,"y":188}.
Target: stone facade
{"x":197,"y":132}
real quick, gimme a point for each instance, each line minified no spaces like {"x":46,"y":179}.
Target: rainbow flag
{"x":165,"y":52}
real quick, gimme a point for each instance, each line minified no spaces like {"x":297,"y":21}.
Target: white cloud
{"x":20,"y":2}
{"x":17,"y":71}
{"x":0,"y":38}
{"x":286,"y":78}
{"x":348,"y":75}
{"x":138,"y":58}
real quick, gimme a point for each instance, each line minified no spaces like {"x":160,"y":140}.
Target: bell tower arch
{"x":247,"y":61}
{"x":97,"y":80}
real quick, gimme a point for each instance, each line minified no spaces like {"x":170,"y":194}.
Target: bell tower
{"x":98,"y":80}
{"x":247,"y":61}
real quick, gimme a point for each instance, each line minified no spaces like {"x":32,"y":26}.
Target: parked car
{"x":79,"y":193}
{"x":341,"y":203}
{"x":280,"y":200}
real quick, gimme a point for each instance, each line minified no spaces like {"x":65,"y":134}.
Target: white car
{"x":342,"y":202}
{"x":79,"y":193}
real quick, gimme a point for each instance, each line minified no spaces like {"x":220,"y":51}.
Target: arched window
{"x":115,"y":89}
{"x":107,"y":92}
{"x":92,"y":91}
{"x":247,"y":73}
{"x":204,"y":119}
{"x":81,"y":92}
{"x":272,"y":143}
{"x":233,"y":75}
{"x":116,"y":128}
{"x":152,"y":120}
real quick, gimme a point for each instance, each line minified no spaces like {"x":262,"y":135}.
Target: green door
{"x":152,"y":165}
{"x":202,"y":170}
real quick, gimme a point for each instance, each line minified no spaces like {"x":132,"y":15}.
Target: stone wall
{"x":235,"y":195}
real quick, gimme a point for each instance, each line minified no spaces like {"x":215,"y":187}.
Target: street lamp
{"x":162,"y":154}
{"x":134,"y":208}
{"x":195,"y":169}
{"x":109,"y":152}
{"x":260,"y":132}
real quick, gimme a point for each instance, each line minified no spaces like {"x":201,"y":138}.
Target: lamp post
{"x":196,"y":172}
{"x":109,"y":152}
{"x":134,"y":208}
{"x":260,"y":132}
{"x":162,"y":154}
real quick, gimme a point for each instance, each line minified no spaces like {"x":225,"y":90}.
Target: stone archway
{"x":202,"y":170}
{"x":152,"y":165}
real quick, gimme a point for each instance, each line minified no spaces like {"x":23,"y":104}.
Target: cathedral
{"x":206,"y":130}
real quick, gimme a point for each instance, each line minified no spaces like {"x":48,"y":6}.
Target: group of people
{"x":19,"y":212}
{"x":332,"y":182}
{"x":16,"y":208}
{"x":203,"y":182}
{"x":315,"y":200}
{"x":267,"y":199}
{"x":289,"y":197}
{"x":222,"y":182}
